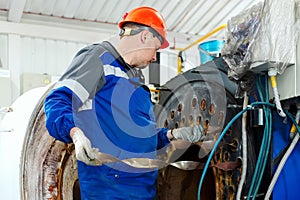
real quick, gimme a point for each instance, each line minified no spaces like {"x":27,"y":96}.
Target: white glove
{"x":191,"y":134}
{"x":83,"y":148}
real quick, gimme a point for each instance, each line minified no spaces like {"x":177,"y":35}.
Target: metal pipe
{"x":180,"y":60}
{"x":203,"y":37}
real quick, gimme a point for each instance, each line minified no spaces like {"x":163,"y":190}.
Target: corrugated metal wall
{"x":48,"y":56}
{"x":39,"y":55}
{"x":25,"y":61}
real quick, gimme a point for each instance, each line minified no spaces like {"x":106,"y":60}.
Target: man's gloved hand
{"x":83,"y":148}
{"x":191,"y":134}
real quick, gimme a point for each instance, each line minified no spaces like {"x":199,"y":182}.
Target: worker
{"x":101,"y":103}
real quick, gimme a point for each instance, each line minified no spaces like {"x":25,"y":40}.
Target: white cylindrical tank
{"x":33,"y":164}
{"x":13,"y":129}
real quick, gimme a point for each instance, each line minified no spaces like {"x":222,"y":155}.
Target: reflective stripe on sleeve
{"x":76,"y":87}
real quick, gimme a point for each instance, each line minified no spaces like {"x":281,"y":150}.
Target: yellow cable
{"x":293,"y":129}
{"x":273,"y":81}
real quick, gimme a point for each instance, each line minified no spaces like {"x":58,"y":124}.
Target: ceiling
{"x":193,"y":18}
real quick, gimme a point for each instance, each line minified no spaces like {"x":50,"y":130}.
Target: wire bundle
{"x":264,"y":150}
{"x":265,"y":144}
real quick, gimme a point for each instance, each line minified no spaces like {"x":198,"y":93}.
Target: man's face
{"x":146,"y":53}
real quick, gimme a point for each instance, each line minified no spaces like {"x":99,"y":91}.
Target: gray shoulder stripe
{"x":111,"y":70}
{"x":76,"y":87}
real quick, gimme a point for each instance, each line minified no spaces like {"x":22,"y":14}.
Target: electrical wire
{"x":268,"y":136}
{"x":258,"y":162}
{"x":255,"y":182}
{"x":215,"y":147}
{"x":265,"y":144}
{"x":266,"y":153}
{"x":244,"y":147}
{"x":220,"y":138}
{"x":293,"y":120}
{"x":283,"y":160}
{"x":272,"y":74}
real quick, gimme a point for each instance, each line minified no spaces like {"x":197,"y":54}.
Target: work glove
{"x":83,"y":148}
{"x":191,"y":134}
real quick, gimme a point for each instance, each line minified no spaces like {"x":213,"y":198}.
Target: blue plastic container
{"x":210,"y":50}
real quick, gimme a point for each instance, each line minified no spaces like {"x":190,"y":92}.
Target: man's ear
{"x":144,"y":36}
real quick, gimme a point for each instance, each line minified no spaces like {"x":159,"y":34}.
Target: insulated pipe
{"x":244,"y":148}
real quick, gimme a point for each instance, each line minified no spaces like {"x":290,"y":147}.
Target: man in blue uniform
{"x":100,"y":102}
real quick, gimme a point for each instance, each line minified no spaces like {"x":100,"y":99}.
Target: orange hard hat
{"x":149,"y":17}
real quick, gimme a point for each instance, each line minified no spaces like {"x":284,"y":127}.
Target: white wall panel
{"x":6,"y":93}
{"x":27,"y":55}
{"x":5,"y":82}
{"x":3,"y":50}
{"x":47,"y":56}
{"x":14,"y":63}
{"x":4,"y":4}
{"x":51,"y":63}
{"x":168,"y":66}
{"x":40,"y":65}
{"x":38,"y":49}
{"x":62,"y":59}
